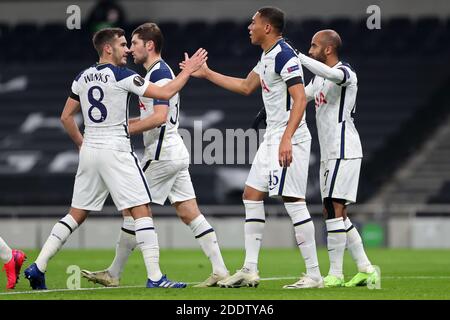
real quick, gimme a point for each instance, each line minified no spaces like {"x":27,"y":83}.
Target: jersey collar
{"x":153,"y":64}
{"x":276,"y":43}
{"x":98,"y":65}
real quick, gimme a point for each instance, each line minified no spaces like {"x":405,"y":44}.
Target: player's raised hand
{"x":194,"y":63}
{"x":285,"y":152}
{"x":200,"y":72}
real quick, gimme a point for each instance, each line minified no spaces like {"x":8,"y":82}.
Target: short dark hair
{"x":105,"y":36}
{"x":275,"y":17}
{"x":150,"y":32}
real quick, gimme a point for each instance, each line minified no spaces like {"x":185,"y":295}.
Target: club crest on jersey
{"x":139,"y":81}
{"x":293,"y":68}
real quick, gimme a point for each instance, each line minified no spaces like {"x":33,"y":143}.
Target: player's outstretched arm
{"x":309,"y":92}
{"x":242,"y":86}
{"x":297,"y":93}
{"x":71,"y":108}
{"x":133,"y":120}
{"x":322,"y":70}
{"x":171,"y":88}
{"x":157,"y":118}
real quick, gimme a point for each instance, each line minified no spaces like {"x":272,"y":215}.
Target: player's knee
{"x":252,"y":194}
{"x":187,"y":211}
{"x":292,"y":199}
{"x":333,"y":208}
{"x":329,"y":212}
{"x":187,"y":217}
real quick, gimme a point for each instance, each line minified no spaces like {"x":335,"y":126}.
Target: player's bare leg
{"x":354,"y":244}
{"x":336,"y":239}
{"x":189,"y":212}
{"x":58,"y":236}
{"x":305,"y":237}
{"x":254,"y":227}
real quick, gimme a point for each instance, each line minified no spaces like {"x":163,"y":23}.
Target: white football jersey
{"x":335,"y":104}
{"x":163,"y":142}
{"x":104,"y":91}
{"x":279,"y":68}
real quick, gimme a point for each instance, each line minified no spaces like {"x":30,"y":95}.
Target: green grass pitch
{"x":406,"y":274}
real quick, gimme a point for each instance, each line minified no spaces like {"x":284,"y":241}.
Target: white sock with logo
{"x":336,"y":240}
{"x":305,"y":236}
{"x":124,"y":247}
{"x":355,"y":247}
{"x":254,"y":227}
{"x":58,"y":236}
{"x":147,"y":241}
{"x":207,"y":238}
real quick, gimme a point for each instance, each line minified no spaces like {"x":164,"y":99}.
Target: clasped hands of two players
{"x":285,"y":149}
{"x":194,"y":63}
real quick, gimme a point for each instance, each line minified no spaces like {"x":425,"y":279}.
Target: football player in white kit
{"x":334,"y":88}
{"x":280,"y":167}
{"x":165,"y":164}
{"x":107,"y":161}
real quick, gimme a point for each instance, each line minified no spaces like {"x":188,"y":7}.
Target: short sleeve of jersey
{"x":130,"y":81}
{"x":287,"y":65}
{"x":257,"y":68}
{"x":349,"y":76}
{"x":160,"y":77}
{"x":161,"y":83}
{"x":75,"y":91}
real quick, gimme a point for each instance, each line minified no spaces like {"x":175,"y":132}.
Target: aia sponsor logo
{"x":320,"y":100}
{"x":264,"y":86}
{"x":142,"y":106}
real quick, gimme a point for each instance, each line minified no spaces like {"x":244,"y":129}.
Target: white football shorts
{"x":169,"y":179}
{"x":266,"y":175}
{"x":103,"y":171}
{"x":339,"y":179}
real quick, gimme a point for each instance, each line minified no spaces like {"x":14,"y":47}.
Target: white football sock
{"x":254,"y":227}
{"x":5,"y":251}
{"x":305,"y":236}
{"x":124,"y":247}
{"x":58,"y":236}
{"x":207,"y":238}
{"x":336,"y":240}
{"x":147,"y":241}
{"x":355,"y":246}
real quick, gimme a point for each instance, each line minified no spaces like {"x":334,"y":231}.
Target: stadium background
{"x":402,"y":116}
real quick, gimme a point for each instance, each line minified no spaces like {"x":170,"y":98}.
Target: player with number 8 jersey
{"x":107,"y":164}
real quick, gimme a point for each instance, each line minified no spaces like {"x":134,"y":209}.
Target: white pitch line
{"x":64,"y":290}
{"x":192,"y":283}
